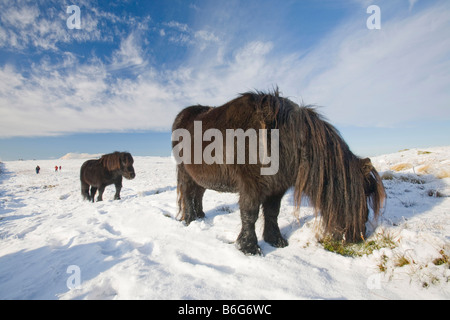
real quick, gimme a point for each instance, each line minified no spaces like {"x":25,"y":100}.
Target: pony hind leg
{"x":190,"y":197}
{"x":100,"y":193}
{"x":85,"y":191}
{"x":93,"y":191}
{"x":272,"y":234}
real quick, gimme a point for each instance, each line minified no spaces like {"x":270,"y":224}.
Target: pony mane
{"x":268,"y":106}
{"x":334,"y":179}
{"x":111,"y":161}
{"x":272,"y":106}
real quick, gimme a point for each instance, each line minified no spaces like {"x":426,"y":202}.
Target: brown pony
{"x":105,"y":171}
{"x":313,"y":158}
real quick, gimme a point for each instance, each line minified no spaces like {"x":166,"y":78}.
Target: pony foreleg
{"x":247,"y":240}
{"x":118,"y":186}
{"x":272,"y":234}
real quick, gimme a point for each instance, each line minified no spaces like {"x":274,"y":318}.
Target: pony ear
{"x":126,"y":159}
{"x":366,"y":166}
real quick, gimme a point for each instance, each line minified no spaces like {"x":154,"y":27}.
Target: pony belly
{"x":212,"y":177}
{"x":220,"y":187}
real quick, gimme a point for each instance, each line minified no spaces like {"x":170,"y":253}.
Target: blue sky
{"x":118,"y":82}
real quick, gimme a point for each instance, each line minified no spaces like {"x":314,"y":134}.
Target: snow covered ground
{"x":56,"y":246}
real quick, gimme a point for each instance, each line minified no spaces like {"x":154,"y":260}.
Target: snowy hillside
{"x":74,"y":155}
{"x":55,"y":246}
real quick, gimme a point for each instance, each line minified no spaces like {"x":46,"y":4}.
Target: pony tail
{"x":181,"y":178}
{"x":180,"y":202}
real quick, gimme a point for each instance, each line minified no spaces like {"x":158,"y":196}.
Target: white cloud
{"x":412,"y":3}
{"x":129,"y":55}
{"x":386,"y":77}
{"x":25,"y":25}
{"x":182,"y":34}
{"x":363,"y":77}
{"x":179,"y":26}
{"x":82,"y":98}
{"x":205,"y":35}
{"x":75,"y":97}
{"x":23,"y":16}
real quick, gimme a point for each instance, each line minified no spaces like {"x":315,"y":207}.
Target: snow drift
{"x":56,"y":246}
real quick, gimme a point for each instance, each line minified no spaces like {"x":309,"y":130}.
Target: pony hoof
{"x":250,"y":250}
{"x":278,"y":243}
{"x":253,"y":252}
{"x":188,"y":219}
{"x":201,"y":215}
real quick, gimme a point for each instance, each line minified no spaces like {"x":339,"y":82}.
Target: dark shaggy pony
{"x":313,"y":158}
{"x":105,"y":171}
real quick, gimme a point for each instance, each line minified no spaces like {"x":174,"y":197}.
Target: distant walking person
{"x":38,"y":169}
{"x":56,"y":168}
